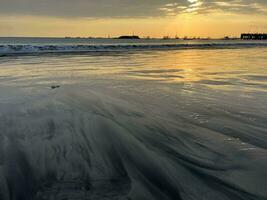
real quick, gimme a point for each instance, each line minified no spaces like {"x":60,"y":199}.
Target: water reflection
{"x":146,"y":125}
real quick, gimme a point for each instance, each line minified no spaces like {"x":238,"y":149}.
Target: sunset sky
{"x":204,"y":18}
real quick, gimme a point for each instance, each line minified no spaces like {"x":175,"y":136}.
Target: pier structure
{"x":254,"y":36}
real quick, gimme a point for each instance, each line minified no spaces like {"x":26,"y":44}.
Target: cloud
{"x":127,"y":8}
{"x":209,"y":6}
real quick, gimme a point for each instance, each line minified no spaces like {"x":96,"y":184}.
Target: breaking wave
{"x":10,"y":49}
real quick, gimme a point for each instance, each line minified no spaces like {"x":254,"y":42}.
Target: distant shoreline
{"x":120,"y":37}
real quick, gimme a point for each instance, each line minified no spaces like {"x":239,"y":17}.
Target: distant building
{"x":254,"y":36}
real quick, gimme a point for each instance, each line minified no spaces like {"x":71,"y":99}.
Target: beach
{"x":133,"y":120}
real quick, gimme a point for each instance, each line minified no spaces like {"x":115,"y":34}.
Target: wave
{"x":32,"y":49}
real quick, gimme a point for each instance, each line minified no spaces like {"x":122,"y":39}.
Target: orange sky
{"x":188,"y":23}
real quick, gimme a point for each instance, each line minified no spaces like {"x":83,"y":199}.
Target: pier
{"x":254,"y":36}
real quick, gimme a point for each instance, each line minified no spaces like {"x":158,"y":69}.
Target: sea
{"x":114,"y":119}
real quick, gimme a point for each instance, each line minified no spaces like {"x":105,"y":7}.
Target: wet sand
{"x":143,"y":125}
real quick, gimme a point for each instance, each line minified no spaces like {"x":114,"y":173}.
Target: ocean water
{"x":84,"y":119}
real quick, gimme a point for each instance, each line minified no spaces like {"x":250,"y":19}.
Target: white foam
{"x":28,"y":49}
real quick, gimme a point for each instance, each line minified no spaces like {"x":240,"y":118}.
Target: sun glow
{"x":180,"y":19}
{"x":194,"y":6}
{"x":192,"y":1}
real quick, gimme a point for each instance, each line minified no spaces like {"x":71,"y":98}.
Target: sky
{"x":154,"y":18}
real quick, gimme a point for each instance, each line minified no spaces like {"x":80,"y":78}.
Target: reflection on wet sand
{"x":155,"y":125}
